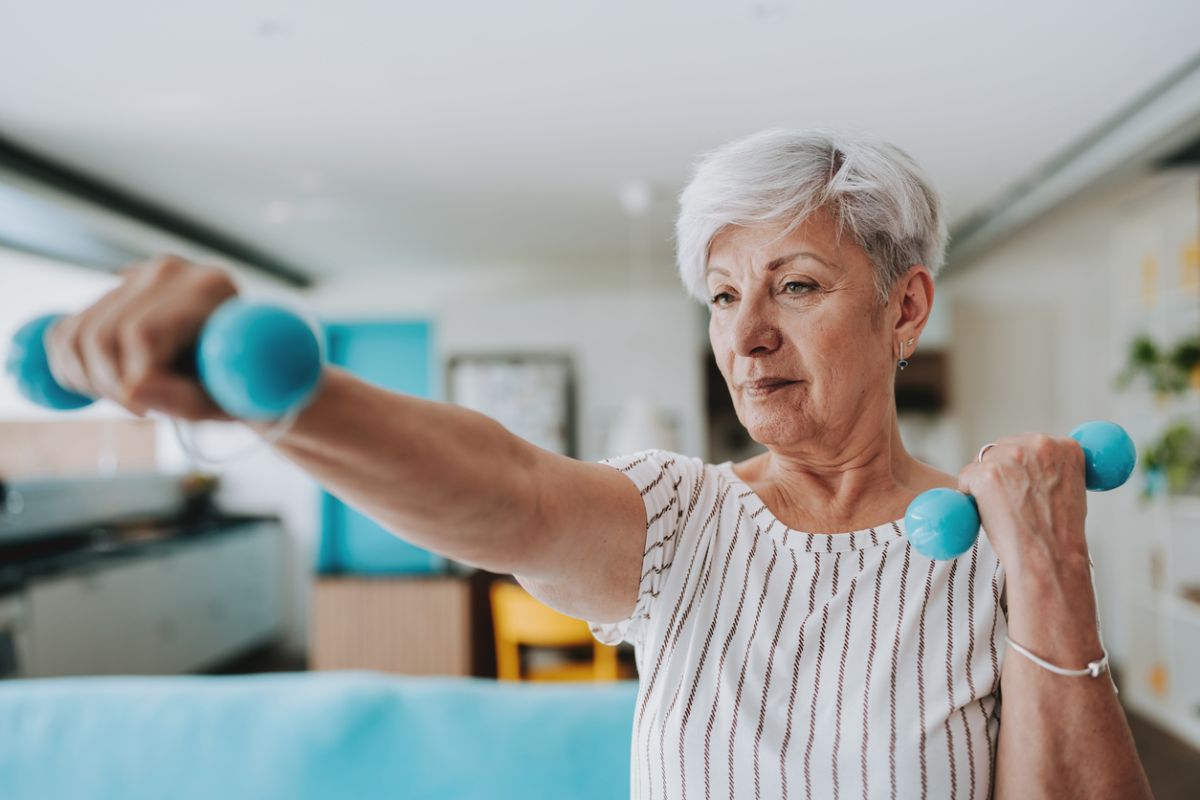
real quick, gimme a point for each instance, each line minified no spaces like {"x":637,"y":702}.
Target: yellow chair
{"x":521,"y":619}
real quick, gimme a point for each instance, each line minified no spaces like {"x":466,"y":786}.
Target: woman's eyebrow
{"x":776,"y":263}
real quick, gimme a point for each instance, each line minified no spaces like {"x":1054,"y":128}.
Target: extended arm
{"x":457,"y":482}
{"x":443,"y":477}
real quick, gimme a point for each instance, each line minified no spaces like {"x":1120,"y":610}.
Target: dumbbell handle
{"x":944,"y":523}
{"x":257,"y":361}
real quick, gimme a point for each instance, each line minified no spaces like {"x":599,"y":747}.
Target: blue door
{"x":396,"y":356}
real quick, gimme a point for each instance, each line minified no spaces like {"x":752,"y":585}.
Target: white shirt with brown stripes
{"x":775,"y":663}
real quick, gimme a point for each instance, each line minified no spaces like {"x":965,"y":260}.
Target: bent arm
{"x":458,"y":483}
{"x":1061,"y":736}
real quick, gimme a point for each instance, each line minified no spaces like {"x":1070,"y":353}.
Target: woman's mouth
{"x":766,"y":387}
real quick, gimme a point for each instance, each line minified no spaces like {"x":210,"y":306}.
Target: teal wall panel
{"x":398,"y":356}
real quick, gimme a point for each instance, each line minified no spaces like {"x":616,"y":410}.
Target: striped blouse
{"x":775,"y":663}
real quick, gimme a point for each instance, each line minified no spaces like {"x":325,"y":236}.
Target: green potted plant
{"x":1173,"y":462}
{"x":1185,"y":359}
{"x":1168,"y":371}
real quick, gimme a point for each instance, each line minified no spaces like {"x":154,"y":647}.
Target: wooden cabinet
{"x":408,"y":625}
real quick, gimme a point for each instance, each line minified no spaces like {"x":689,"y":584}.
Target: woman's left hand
{"x":1059,"y":736}
{"x":1032,"y":503}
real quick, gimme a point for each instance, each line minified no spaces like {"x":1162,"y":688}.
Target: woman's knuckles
{"x":171,"y":270}
{"x":123,"y":346}
{"x":214,"y":283}
{"x":162,"y":269}
{"x":1047,"y":449}
{"x":65,"y":356}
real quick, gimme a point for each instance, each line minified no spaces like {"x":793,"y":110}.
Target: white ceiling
{"x":354,"y":137}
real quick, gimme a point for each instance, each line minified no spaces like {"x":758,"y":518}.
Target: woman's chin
{"x":771,"y":431}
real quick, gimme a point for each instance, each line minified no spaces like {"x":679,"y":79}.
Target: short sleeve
{"x":666,"y":482}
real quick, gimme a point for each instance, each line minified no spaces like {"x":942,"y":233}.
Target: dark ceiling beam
{"x":42,"y":170}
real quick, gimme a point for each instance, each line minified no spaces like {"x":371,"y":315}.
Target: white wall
{"x":623,"y":342}
{"x":1032,"y":330}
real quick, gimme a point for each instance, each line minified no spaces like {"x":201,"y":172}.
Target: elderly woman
{"x":790,"y":641}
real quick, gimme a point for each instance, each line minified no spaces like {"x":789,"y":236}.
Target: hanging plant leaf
{"x":1186,"y":355}
{"x":1172,"y":463}
{"x":1166,"y":372}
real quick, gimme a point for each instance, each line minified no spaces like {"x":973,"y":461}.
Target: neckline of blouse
{"x":768,"y":524}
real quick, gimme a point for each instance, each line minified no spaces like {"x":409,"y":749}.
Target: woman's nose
{"x":754,"y":333}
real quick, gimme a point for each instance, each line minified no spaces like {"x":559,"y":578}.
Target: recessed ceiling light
{"x":635,"y":198}
{"x":769,"y":9}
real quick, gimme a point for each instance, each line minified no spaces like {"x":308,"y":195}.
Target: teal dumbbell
{"x":944,"y":523}
{"x":257,"y":361}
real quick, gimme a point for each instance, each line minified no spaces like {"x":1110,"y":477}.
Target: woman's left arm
{"x":1060,"y":736}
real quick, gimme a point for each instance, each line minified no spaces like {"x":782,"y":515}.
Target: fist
{"x":129,"y":346}
{"x":1032,"y":501}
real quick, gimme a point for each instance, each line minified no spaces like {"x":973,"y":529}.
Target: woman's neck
{"x":871,"y":480}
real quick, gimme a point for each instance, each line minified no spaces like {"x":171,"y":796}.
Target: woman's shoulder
{"x":657,"y":458}
{"x":926,"y":477}
{"x":655,"y":469}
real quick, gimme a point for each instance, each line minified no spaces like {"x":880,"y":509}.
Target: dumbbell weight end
{"x":29,"y":366}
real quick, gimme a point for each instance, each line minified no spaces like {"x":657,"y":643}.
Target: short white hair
{"x":874,"y":190}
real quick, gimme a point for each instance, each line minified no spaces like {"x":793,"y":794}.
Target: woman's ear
{"x":916,"y":303}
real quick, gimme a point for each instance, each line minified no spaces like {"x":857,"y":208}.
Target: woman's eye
{"x":802,"y":286}
{"x":717,"y":298}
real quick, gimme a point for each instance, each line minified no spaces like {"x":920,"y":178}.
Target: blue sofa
{"x":312,"y":736}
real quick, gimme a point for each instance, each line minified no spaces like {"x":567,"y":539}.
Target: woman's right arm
{"x":457,"y":482}
{"x":440,"y":476}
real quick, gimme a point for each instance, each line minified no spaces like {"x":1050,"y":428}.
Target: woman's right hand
{"x":127,"y":347}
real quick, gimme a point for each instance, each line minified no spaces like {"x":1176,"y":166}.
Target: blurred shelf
{"x":1156,"y":294}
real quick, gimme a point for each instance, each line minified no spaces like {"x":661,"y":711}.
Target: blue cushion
{"x":312,"y":735}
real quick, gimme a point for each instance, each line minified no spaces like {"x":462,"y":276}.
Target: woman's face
{"x":798,"y":333}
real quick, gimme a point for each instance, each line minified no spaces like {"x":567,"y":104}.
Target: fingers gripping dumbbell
{"x":257,"y":361}
{"x":944,"y":523}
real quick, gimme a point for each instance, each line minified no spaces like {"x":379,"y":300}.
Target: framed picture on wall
{"x":530,"y":394}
